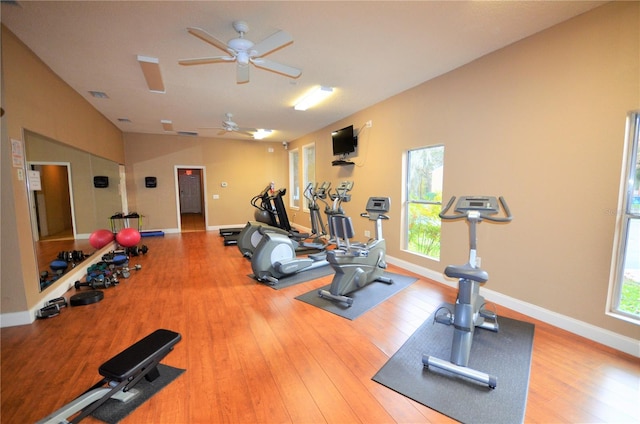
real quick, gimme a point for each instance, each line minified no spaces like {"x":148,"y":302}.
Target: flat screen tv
{"x":344,"y":141}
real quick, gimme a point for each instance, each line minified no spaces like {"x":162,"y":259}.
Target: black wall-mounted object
{"x":344,"y":141}
{"x":150,"y":182}
{"x":100,"y":181}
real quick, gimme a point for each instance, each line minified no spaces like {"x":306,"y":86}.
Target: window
{"x":624,"y":299}
{"x":308,"y":167}
{"x":294,"y":181}
{"x":424,"y":169}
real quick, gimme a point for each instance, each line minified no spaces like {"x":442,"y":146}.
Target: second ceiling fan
{"x":244,"y":51}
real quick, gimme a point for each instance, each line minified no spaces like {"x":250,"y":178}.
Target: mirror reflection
{"x":67,"y":203}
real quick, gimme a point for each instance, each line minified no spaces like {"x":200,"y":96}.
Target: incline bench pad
{"x":137,"y":357}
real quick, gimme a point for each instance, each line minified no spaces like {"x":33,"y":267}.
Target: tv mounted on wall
{"x":344,"y":141}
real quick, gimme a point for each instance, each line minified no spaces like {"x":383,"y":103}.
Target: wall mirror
{"x":64,"y":203}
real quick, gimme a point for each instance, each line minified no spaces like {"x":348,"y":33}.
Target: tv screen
{"x":344,"y":142}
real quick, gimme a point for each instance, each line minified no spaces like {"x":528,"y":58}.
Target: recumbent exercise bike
{"x":469,"y":311}
{"x":357,"y":264}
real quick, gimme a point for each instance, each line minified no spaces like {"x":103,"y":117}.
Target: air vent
{"x":188,"y":133}
{"x":125,"y":120}
{"x":99,"y":94}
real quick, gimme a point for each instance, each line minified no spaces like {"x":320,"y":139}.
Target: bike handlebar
{"x":483,"y":214}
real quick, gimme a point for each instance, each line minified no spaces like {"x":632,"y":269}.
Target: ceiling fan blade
{"x":280,"y":68}
{"x":208,"y":38}
{"x":247,"y":130}
{"x":242,"y":74}
{"x":272,"y":42}
{"x":205,"y":60}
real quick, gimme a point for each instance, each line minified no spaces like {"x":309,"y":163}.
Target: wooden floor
{"x":191,"y":222}
{"x":257,"y":355}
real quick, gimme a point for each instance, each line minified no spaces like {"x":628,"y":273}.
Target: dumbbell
{"x":126,"y":271}
{"x":52,"y":308}
{"x":137,"y":251}
{"x":72,"y":255}
{"x":101,"y":282}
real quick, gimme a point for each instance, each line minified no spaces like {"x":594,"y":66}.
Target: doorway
{"x":52,"y":216}
{"x":191,"y":200}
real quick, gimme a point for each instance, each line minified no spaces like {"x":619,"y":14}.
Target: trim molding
{"x":597,"y":334}
{"x":12,"y":319}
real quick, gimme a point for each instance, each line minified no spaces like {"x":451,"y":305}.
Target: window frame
{"x":625,"y":216}
{"x":294,"y":180}
{"x":408,"y":201}
{"x":308,"y":169}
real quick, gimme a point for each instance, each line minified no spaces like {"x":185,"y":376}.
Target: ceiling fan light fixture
{"x":151,"y":70}
{"x":262,"y":133}
{"x":312,"y":98}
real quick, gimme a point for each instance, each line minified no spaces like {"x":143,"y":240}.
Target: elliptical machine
{"x":313,"y":193}
{"x":357,"y":264}
{"x":275,"y":257}
{"x":469,"y":311}
{"x":340,"y":195}
{"x":271,"y":216}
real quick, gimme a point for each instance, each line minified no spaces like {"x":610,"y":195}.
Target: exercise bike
{"x":469,"y":311}
{"x":357,"y":264}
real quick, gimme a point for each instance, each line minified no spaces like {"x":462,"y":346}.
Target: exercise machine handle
{"x":507,"y":213}
{"x":443,"y":212}
{"x":482,"y":214}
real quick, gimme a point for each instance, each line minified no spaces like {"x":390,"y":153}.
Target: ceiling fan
{"x":244,"y":51}
{"x":229,"y":126}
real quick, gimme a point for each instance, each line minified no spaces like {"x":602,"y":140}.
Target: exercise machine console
{"x":469,"y":311}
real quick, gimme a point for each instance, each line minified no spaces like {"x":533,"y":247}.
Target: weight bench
{"x":121,"y":373}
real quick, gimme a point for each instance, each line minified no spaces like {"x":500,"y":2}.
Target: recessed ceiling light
{"x":151,"y":70}
{"x":167,"y":125}
{"x":99,"y":94}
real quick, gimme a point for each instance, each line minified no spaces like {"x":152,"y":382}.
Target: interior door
{"x":190,"y":193}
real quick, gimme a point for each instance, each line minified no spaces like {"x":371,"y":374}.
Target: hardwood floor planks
{"x":256,"y":355}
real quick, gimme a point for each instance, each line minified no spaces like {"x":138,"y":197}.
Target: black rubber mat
{"x":364,"y":299}
{"x":505,"y":354}
{"x":113,"y":411}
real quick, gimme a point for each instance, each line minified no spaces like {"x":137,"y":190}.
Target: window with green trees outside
{"x":424,"y":200}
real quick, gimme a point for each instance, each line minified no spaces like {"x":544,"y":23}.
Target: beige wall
{"x":540,"y":122}
{"x":246,"y":166}
{"x":35,"y":99}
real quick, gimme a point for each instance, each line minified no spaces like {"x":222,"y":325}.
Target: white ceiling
{"x":367,"y":50}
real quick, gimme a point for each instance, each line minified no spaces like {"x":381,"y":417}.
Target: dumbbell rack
{"x":120,"y":221}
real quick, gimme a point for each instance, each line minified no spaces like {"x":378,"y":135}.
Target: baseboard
{"x":64,"y":284}
{"x":597,"y":334}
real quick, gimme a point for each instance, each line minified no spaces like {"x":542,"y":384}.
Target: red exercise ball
{"x":100,"y":238}
{"x":128,"y":237}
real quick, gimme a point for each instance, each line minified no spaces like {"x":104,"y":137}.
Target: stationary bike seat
{"x":466,"y":271}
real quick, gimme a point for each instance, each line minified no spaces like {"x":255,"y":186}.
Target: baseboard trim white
{"x":12,"y":319}
{"x":597,"y":334}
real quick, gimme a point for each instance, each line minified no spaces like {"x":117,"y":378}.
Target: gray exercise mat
{"x":505,"y":354}
{"x":364,"y":299}
{"x":113,"y":411}
{"x":300,"y":277}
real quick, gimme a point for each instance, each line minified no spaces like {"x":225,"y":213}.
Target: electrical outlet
{"x":478,"y":262}
{"x":369,"y":124}
{"x":367,"y":233}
